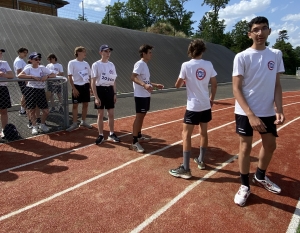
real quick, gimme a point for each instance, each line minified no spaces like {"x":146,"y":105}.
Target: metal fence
{"x":56,"y":92}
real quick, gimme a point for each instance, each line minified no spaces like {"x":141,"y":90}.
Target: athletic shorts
{"x":53,"y":88}
{"x":106,"y":95}
{"x":4,"y":98}
{"x":195,"y":118}
{"x":35,"y":97}
{"x":84,"y":94}
{"x":22,"y":85}
{"x":244,"y":128}
{"x":142,"y":104}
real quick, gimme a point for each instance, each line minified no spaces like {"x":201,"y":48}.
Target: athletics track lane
{"x":125,"y":204}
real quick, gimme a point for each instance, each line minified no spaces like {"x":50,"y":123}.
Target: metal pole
{"x":82,"y":11}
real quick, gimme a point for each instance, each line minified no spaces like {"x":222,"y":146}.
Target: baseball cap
{"x":105,"y":47}
{"x":2,"y":50}
{"x":34,"y":55}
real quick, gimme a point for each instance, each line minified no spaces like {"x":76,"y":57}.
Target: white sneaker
{"x":72,"y":127}
{"x":34,"y":130}
{"x":86,"y":125}
{"x":137,"y":147}
{"x":44,"y":128}
{"x":144,"y":139}
{"x":267,"y":184}
{"x":241,"y":196}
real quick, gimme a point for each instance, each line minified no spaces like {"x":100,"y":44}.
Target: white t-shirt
{"x":104,"y":73}
{"x":259,"y":69}
{"x":141,"y":68}
{"x":19,"y":63}
{"x":55,"y":68}
{"x":37,"y":72}
{"x":4,"y":67}
{"x":197,"y":74}
{"x":80,"y":71}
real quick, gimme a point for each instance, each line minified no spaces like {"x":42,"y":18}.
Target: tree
{"x":282,"y":36}
{"x":82,"y":18}
{"x":289,"y":55}
{"x":239,"y":36}
{"x":165,"y":29}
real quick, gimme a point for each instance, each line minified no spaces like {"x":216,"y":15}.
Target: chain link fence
{"x":52,"y":99}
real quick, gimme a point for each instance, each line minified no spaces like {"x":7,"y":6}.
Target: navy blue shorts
{"x":142,"y":104}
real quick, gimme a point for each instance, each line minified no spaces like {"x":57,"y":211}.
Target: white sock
{"x":111,"y":133}
{"x":22,"y":109}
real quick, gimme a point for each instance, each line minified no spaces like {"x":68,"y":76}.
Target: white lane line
{"x":295,"y":221}
{"x":154,"y":216}
{"x":79,"y":148}
{"x":99,"y":176}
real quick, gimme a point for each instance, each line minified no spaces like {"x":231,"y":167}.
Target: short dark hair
{"x":78,"y":49}
{"x":196,"y":48}
{"x":22,"y":50}
{"x":52,"y":55}
{"x":144,"y":49}
{"x":257,"y":20}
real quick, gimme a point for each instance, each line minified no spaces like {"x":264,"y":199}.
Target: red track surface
{"x":82,"y":187}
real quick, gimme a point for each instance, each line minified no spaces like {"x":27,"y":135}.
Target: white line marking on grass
{"x":97,"y":177}
{"x":79,"y":148}
{"x":154,"y":216}
{"x":295,"y":221}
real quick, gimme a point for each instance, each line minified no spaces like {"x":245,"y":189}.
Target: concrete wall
{"x":49,"y":34}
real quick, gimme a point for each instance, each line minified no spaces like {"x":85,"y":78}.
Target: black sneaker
{"x":29,"y":125}
{"x":113,"y":138}
{"x":22,"y":113}
{"x":99,"y":140}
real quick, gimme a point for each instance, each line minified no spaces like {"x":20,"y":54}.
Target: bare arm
{"x":278,"y":101}
{"x":213,"y":89}
{"x":179,"y":83}
{"x":135,"y":79}
{"x":8,"y":74}
{"x":254,"y":121}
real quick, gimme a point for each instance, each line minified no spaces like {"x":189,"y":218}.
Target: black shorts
{"x":195,"y":118}
{"x":84,"y":94}
{"x":35,"y":97}
{"x":106,"y":95}
{"x":54,"y":87}
{"x":142,"y":104}
{"x":4,"y":98}
{"x":244,"y":128}
{"x":22,"y":85}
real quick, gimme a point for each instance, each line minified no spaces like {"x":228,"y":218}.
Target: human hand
{"x":280,"y":118}
{"x":257,"y":124}
{"x":148,"y":87}
{"x":75,"y":92}
{"x":98,"y":102}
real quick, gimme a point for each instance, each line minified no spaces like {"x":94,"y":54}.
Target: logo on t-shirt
{"x":200,"y":74}
{"x":271,"y":65}
{"x":111,"y":71}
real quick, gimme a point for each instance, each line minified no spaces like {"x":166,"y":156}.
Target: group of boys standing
{"x":256,"y":87}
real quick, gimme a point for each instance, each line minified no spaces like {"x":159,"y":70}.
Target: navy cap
{"x":2,"y":50}
{"x":34,"y":55}
{"x":105,"y":47}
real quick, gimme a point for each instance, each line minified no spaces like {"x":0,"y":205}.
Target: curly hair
{"x":144,"y":49}
{"x":196,"y":48}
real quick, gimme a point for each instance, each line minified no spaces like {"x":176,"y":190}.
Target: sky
{"x":282,"y":15}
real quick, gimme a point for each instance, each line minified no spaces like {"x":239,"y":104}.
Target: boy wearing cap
{"x":104,"y":88}
{"x":79,"y":73}
{"x":5,"y":103}
{"x":19,"y":65}
{"x":35,"y":95}
{"x":142,"y":92}
{"x":58,"y":70}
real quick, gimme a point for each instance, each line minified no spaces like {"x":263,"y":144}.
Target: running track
{"x":63,"y":182}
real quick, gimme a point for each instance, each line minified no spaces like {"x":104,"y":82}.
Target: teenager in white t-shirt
{"x":79,"y":74}
{"x":105,"y":91}
{"x":35,"y":95}
{"x":57,"y":68}
{"x":142,"y":91}
{"x":196,"y":74}
{"x":258,"y":106}
{"x":19,"y":65}
{"x":5,"y":103}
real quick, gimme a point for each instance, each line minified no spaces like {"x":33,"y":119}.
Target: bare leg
{"x":4,"y":117}
{"x":100,"y":121}
{"x":111,"y":121}
{"x":138,"y":123}
{"x":45,"y":115}
{"x":267,"y":150}
{"x":84,"y":110}
{"x":244,"y":154}
{"x":186,"y":136}
{"x":75,"y":113}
